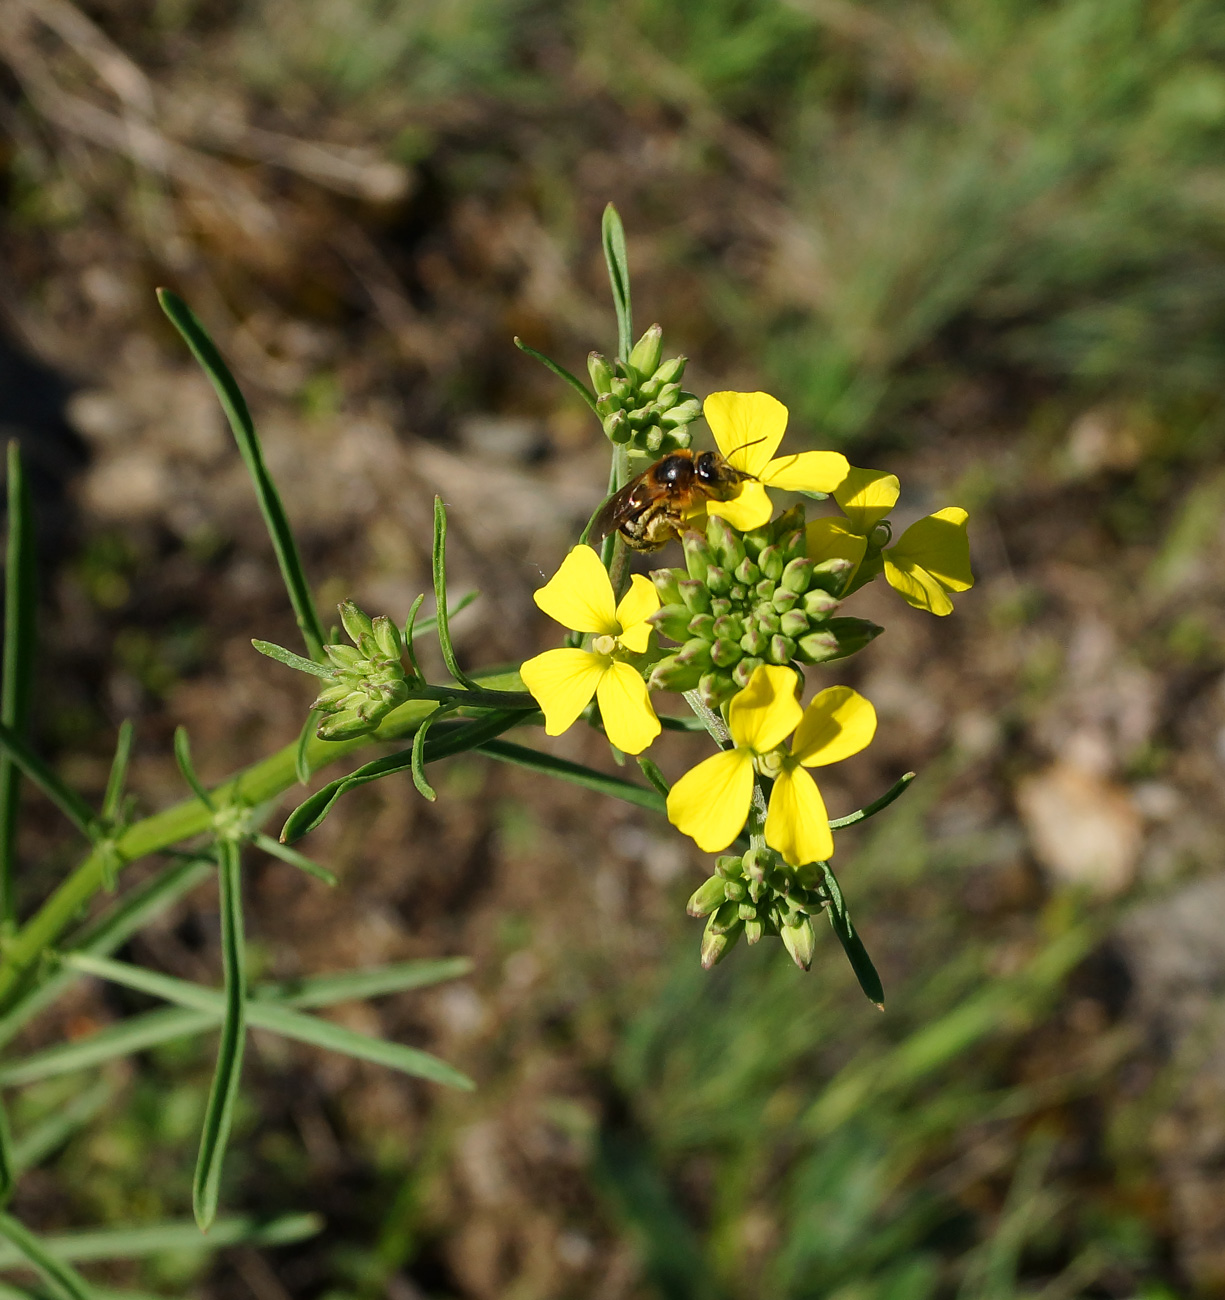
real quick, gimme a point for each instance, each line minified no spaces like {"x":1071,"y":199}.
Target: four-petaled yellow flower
{"x":748,"y":428}
{"x":580,"y":596}
{"x":711,"y":802}
{"x":930,"y":559}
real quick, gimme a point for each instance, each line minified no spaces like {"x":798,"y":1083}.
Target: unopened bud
{"x":672,"y":621}
{"x":794,"y":623}
{"x":706,"y":897}
{"x":695,"y":596}
{"x":665,"y":581}
{"x":343,"y":656}
{"x":670,"y":371}
{"x":681,"y":414}
{"x":387,"y":638}
{"x":600,"y":372}
{"x":782,"y":650}
{"x":818,"y":603}
{"x":717,"y":944}
{"x":698,"y":558}
{"x":745,"y":669}
{"x":648,"y":351}
{"x":771,"y":563}
{"x":800,"y":942}
{"x":617,"y":428}
{"x":724,"y":654}
{"x":796,"y":574}
{"x":355,"y":623}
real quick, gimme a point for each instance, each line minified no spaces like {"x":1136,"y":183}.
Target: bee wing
{"x":619,"y":509}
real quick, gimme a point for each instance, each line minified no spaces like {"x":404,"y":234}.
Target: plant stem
{"x":253,"y":785}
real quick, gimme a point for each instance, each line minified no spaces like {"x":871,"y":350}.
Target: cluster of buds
{"x":370,"y":678}
{"x":641,"y":402}
{"x":750,"y":599}
{"x":759,"y":894}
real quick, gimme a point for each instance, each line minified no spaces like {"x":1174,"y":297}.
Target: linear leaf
{"x":852,"y":944}
{"x":104,"y":935}
{"x":222,"y":1097}
{"x":899,"y":787}
{"x":353,"y":985}
{"x":448,"y":739}
{"x":295,"y":859}
{"x":112,"y":800}
{"x":283,"y":543}
{"x":613,"y":237}
{"x":173,"y":1235}
{"x":439,"y":566}
{"x":532,"y":759}
{"x":20,"y":602}
{"x":560,"y":371}
{"x":279,"y":1020}
{"x":301,"y":761}
{"x":182,"y":756}
{"x":291,"y":660}
{"x":63,"y":1281}
{"x":64,"y":797}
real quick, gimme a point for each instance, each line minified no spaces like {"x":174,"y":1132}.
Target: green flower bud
{"x":670,"y":371}
{"x":753,"y":930}
{"x":344,"y":726}
{"x":800,"y":942}
{"x":738,"y":594}
{"x":718,"y":580}
{"x":745,"y":669}
{"x":720,"y":606}
{"x":830,"y":575}
{"x":702,"y":625}
{"x":727,"y":628}
{"x":796,"y":575}
{"x":623,"y":389}
{"x":695,"y":596}
{"x":672,"y":621}
{"x":818,"y":647}
{"x":724,"y":918}
{"x":782,"y":650}
{"x":753,"y":642}
{"x":670,"y":674}
{"x":794,"y":623}
{"x":698,"y":557}
{"x":667,"y":397}
{"x":728,"y":866}
{"x":695,"y":653}
{"x":733,"y":890}
{"x":747,"y":911}
{"x":706,"y":897}
{"x":681,"y":414}
{"x":794,"y":546}
{"x":600,"y":371}
{"x":387,"y":638}
{"x":724,"y":541}
{"x":764,"y":590}
{"x":852,"y":634}
{"x":818,"y":603}
{"x":717,"y":944}
{"x":665,"y":581}
{"x":355,"y":623}
{"x":679,"y":438}
{"x":654,"y":440}
{"x":617,"y":428}
{"x":782,"y":600}
{"x":771,"y":563}
{"x":747,"y":573}
{"x":606,"y":404}
{"x":344,"y":656}
{"x":647,"y":352}
{"x":332,"y":696}
{"x":724,"y":654}
{"x":766,"y":620}
{"x":641,"y":416}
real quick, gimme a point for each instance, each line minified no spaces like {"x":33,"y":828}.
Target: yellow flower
{"x":748,"y":428}
{"x":711,"y":802}
{"x":580,"y":596}
{"x":930,"y":559}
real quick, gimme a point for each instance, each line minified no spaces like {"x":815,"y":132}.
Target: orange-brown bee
{"x":650,"y":510}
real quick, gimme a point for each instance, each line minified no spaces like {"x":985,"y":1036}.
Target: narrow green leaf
{"x":62,"y":1280}
{"x":356,"y":985}
{"x":448,"y":739}
{"x":430,"y":621}
{"x":222,"y":1097}
{"x":650,"y":769}
{"x":613,"y":233}
{"x":440,"y":596}
{"x":560,"y":371}
{"x":112,"y":800}
{"x":20,"y":603}
{"x":182,"y":756}
{"x":173,"y":1235}
{"x":290,"y":561}
{"x":615,"y":786}
{"x":277,"y":1019}
{"x":108,"y":932}
{"x":410,"y":633}
{"x":852,"y":944}
{"x":417,"y":755}
{"x":136,"y":1034}
{"x":871,"y":809}
{"x":291,"y":660}
{"x":65,"y":799}
{"x":45,"y":1138}
{"x":301,"y":761}
{"x":295,"y":859}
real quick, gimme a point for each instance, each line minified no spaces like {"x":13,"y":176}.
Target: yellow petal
{"x":579,"y":595}
{"x":797,"y":824}
{"x":563,"y":682}
{"x":710,"y":803}
{"x":831,"y":538}
{"x":750,"y":508}
{"x":747,"y":426}
{"x":806,"y":471}
{"x":866,"y":496}
{"x":629,"y":720}
{"x":916,"y":586}
{"x":940,"y":545}
{"x":640,"y":601}
{"x":838,"y":723}
{"x":766,"y":712}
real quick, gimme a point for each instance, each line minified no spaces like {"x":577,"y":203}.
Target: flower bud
{"x":706,"y":897}
{"x":720,"y":606}
{"x":702,"y":625}
{"x":753,"y":642}
{"x":745,"y":669}
{"x":746,"y":911}
{"x":724,"y":542}
{"x":727,"y":628}
{"x":354,"y":621}
{"x":600,"y":371}
{"x":681,"y":414}
{"x":724,"y":918}
{"x":667,"y":397}
{"x":747,"y":572}
{"x":716,"y":945}
{"x":344,"y":726}
{"x":795,"y":576}
{"x":766,"y":620}
{"x":387,"y":638}
{"x":782,"y":600}
{"x":606,"y":404}
{"x":654,"y":440}
{"x":665,"y":581}
{"x":695,"y":596}
{"x":728,"y":866}
{"x":695,"y":654}
{"x":771,"y":563}
{"x":800,"y":942}
{"x":724,"y":654}
{"x":718,"y":580}
{"x":733,"y":890}
{"x":623,"y":389}
{"x":795,"y":546}
{"x":818,"y":603}
{"x":672,"y":621}
{"x":671,"y":370}
{"x":698,"y":557}
{"x":641,"y":416}
{"x":753,"y":930}
{"x":343,"y":656}
{"x":830,"y":575}
{"x":853,"y":634}
{"x":670,"y":674}
{"x":647,"y":352}
{"x":818,"y":647}
{"x":714,"y":688}
{"x":793,"y":623}
{"x":617,"y":427}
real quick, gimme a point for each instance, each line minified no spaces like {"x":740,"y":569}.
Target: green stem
{"x":253,"y":785}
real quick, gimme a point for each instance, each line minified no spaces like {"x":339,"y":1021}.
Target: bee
{"x":651,"y":510}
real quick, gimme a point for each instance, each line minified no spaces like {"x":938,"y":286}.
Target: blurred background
{"x":980,"y":243}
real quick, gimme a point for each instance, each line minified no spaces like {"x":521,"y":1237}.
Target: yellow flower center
{"x":771,"y":763}
{"x":604,"y":645}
